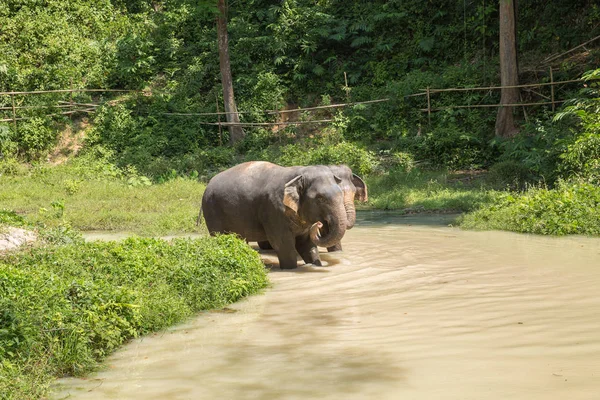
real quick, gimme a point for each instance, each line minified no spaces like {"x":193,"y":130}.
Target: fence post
{"x":71,"y":97}
{"x":552,"y":88}
{"x":346,"y":88}
{"x":14,"y":111}
{"x":219,"y":119}
{"x":428,"y":105}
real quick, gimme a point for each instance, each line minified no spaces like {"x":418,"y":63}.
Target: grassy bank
{"x":64,"y":308}
{"x":428,"y":191}
{"x":567,"y":209}
{"x":91,"y":194}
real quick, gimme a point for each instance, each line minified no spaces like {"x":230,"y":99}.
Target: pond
{"x":411,"y":309}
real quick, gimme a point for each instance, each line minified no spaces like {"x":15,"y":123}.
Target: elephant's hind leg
{"x":265,"y":245}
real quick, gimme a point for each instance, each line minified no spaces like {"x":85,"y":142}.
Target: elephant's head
{"x":313,"y":199}
{"x":353,"y":187}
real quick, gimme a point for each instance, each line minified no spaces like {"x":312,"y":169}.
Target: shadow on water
{"x":297,"y":347}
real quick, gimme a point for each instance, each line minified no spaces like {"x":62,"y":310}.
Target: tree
{"x":236,"y":133}
{"x":509,"y":71}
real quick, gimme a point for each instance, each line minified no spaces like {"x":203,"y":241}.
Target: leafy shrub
{"x":360,"y":160}
{"x":36,"y":137}
{"x":451,"y":148}
{"x":581,"y":160}
{"x":510,"y":174}
{"x":537,"y":148}
{"x":66,"y":307}
{"x":8,"y":146}
{"x":567,"y":209}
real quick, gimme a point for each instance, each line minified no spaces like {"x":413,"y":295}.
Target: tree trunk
{"x":509,"y":71}
{"x":236,"y":133}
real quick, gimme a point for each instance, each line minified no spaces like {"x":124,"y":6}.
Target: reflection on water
{"x":412,"y":310}
{"x":377,"y":217}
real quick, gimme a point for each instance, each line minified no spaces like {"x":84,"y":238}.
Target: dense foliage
{"x":292,"y":52}
{"x":63,"y":309}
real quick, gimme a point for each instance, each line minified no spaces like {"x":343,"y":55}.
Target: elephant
{"x":289,"y":207}
{"x":353,"y":188}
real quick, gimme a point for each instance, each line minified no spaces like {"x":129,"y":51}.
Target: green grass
{"x":94,"y":195}
{"x":419,"y":191}
{"x":567,"y":209}
{"x":64,"y":308}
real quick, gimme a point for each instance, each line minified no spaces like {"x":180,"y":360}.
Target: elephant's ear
{"x":291,"y":193}
{"x":361,"y":189}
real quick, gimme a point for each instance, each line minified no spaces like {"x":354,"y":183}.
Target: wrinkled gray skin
{"x":287,"y":206}
{"x":353,"y":188}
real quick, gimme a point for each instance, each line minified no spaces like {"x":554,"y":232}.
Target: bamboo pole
{"x":272,"y":112}
{"x":321,"y":121}
{"x":89,"y":110}
{"x":492,"y":105}
{"x":68,"y":90}
{"x":552,"y":58}
{"x":14,"y":112}
{"x":500,"y":87}
{"x":552,"y":89}
{"x":67,"y":105}
{"x":71,"y":94}
{"x":219,"y":119}
{"x":346,"y":87}
{"x":428,"y":105}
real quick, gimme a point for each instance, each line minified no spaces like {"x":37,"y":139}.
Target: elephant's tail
{"x":199,"y":217}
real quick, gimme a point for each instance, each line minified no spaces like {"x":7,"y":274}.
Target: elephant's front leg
{"x":308,"y":251}
{"x":335,"y":247}
{"x":284,"y":246}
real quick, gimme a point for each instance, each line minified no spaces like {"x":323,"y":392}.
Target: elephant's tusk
{"x":315,"y":231}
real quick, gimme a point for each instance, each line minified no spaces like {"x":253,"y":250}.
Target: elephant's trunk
{"x":350,"y":213}
{"x":336,"y":228}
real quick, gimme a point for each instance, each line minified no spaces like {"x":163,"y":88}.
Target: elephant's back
{"x":233,"y":198}
{"x":245,"y":180}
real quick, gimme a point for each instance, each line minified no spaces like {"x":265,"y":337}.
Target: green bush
{"x":36,"y":137}
{"x":511,"y":175}
{"x":451,"y":148}
{"x":581,"y":160}
{"x":65,"y":308}
{"x":320,"y":151}
{"x":568,"y":209}
{"x":581,"y":157}
{"x":8,"y":146}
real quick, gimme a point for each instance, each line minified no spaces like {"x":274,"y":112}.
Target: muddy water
{"x":409,"y":310}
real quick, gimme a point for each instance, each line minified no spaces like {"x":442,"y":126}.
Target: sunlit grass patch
{"x":425,"y":191}
{"x":99,"y":197}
